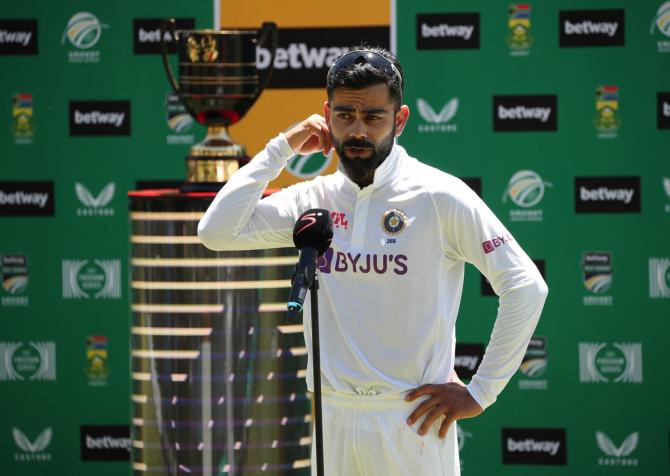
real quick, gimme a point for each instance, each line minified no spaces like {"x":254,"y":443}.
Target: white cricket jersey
{"x":390,"y":285}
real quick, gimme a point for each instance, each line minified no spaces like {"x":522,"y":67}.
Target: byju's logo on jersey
{"x":437,"y":121}
{"x":95,"y":205}
{"x":178,"y":120}
{"x":597,"y":276}
{"x":32,"y":450}
{"x":526,"y":190}
{"x":86,"y":279}
{"x":545,"y":446}
{"x":99,"y":118}
{"x":467,"y":359}
{"x":534,"y":365}
{"x":27,"y":361}
{"x":376,"y":263}
{"x":621,"y":455}
{"x":14,"y":280}
{"x":660,"y":28}
{"x":525,"y":113}
{"x":591,"y":28}
{"x":600,"y":362}
{"x":663,"y":110}
{"x":607,"y":120}
{"x":607,"y":194}
{"x":105,"y":443}
{"x":518,"y":24}
{"x":659,"y":278}
{"x":26,"y":198}
{"x":444,"y":31}
{"x":83,"y":32}
{"x":147,"y":35}
{"x":18,"y":37}
{"x":23,"y":126}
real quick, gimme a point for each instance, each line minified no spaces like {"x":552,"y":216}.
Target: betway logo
{"x":466,"y":361}
{"x":15,"y":37}
{"x":107,"y":442}
{"x":152,"y":36}
{"x":362,"y":263}
{"x":491,"y":245}
{"x":445,"y":30}
{"x":523,"y":112}
{"x":23,"y":198}
{"x":604,"y":194}
{"x":588,"y":27}
{"x":530,"y":445}
{"x":666,"y":109}
{"x":300,"y":56}
{"x":98,"y":117}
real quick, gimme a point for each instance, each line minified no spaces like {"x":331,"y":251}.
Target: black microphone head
{"x":314,"y":229}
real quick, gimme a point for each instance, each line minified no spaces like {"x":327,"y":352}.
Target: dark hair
{"x":361,"y":75}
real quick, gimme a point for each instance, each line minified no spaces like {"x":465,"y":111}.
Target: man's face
{"x":363,"y":125}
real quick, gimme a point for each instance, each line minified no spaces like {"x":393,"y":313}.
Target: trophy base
{"x":213,"y":161}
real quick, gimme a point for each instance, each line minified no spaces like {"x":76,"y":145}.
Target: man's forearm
{"x":232,"y":209}
{"x":518,"y":314}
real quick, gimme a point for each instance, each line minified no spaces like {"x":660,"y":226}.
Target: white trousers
{"x":367,"y":435}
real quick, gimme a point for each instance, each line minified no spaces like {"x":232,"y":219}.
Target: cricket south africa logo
{"x":659,"y":278}
{"x":14,"y":280}
{"x":437,"y":121}
{"x":660,"y":25}
{"x":178,"y":120}
{"x":32,"y":450}
{"x":600,"y":362}
{"x":519,"y":39}
{"x":597,"y":277}
{"x":525,"y":189}
{"x":310,"y":165}
{"x":617,"y":455}
{"x":83,"y":31}
{"x":534,"y":365}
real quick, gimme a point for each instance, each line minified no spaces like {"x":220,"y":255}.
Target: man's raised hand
{"x":309,"y":136}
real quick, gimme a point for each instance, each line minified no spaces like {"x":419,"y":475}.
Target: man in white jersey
{"x":391,"y":282}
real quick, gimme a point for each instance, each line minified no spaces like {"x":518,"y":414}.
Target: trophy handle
{"x":268,"y":36}
{"x":169,"y":24}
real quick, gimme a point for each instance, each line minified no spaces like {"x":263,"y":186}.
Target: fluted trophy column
{"x":218,"y":375}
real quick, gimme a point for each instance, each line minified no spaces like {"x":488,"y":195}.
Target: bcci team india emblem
{"x":519,"y":39}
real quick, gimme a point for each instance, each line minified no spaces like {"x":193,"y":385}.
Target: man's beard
{"x":359,"y":168}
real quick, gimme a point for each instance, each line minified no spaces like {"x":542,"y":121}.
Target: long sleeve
{"x":238,"y":219}
{"x":473,"y":233}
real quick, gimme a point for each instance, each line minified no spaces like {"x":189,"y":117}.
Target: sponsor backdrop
{"x":561,"y":111}
{"x":557,"y":115}
{"x":87,"y":114}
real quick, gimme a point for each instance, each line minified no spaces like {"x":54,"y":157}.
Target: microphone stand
{"x":316,"y":371}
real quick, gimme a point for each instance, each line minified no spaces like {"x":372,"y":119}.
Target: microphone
{"x":312,"y":235}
